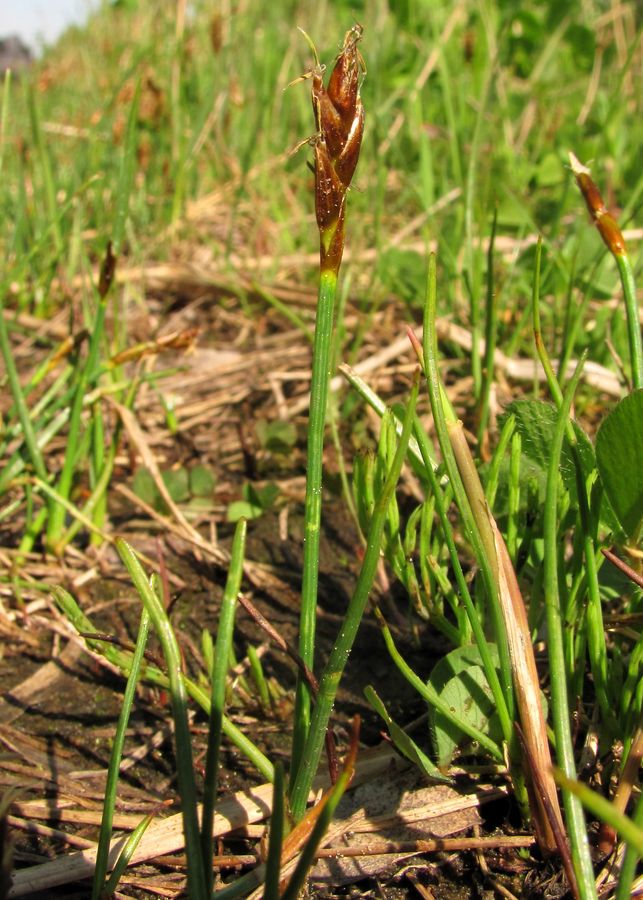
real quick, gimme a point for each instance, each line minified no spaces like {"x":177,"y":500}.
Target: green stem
{"x":633,"y":323}
{"x":431,"y":696}
{"x":559,"y":696}
{"x":197,"y":881}
{"x":19,"y":400}
{"x":491,"y":330}
{"x":313,"y":503}
{"x":102,"y":853}
{"x":217,"y":697}
{"x":502,"y":690}
{"x":343,"y":643}
{"x":276,"y":837}
{"x":153,"y":675}
{"x":595,"y":631}
{"x":57,"y":512}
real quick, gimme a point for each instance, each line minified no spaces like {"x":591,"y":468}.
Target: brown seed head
{"x":339,"y":116}
{"x":605,"y":222}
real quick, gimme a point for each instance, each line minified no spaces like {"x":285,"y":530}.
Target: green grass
{"x":115,"y":139}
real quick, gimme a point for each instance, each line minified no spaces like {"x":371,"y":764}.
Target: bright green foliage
{"x":460,"y":682}
{"x":405,"y":744}
{"x":256,"y":501}
{"x":619,"y":453}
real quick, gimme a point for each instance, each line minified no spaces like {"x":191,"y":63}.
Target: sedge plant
{"x":339,"y":118}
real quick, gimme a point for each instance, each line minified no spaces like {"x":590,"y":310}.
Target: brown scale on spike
{"x":339,"y":116}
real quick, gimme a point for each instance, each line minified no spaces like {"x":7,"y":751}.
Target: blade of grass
{"x":197,"y":879}
{"x":125,"y":856}
{"x":491,"y":336}
{"x":111,"y":787}
{"x":276,"y":838}
{"x":122,"y":661}
{"x":576,"y":826}
{"x":502,"y":690}
{"x":334,"y":668}
{"x":599,"y":806}
{"x":4,"y":113}
{"x":45,"y":166}
{"x":595,"y":630}
{"x":218,"y":690}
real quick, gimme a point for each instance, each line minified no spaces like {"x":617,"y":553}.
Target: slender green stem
{"x":19,"y":399}
{"x":57,"y":511}
{"x":514,"y":496}
{"x":343,"y":643}
{"x":472,"y":253}
{"x":98,"y":464}
{"x":313,"y":504}
{"x":502,"y":690}
{"x":493,"y":472}
{"x":559,"y":696}
{"x":631,"y":859}
{"x":197,"y":881}
{"x":276,"y":838}
{"x":111,"y":786}
{"x":433,"y":698}
{"x":491,"y":331}
{"x":4,"y":113}
{"x":595,"y":631}
{"x":125,"y":855}
{"x":153,"y":675}
{"x":217,"y":697}
{"x":45,"y":166}
{"x":633,"y":322}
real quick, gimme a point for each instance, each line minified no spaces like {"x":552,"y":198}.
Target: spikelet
{"x":339,"y":116}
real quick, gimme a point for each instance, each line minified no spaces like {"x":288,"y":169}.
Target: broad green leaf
{"x":241,"y":509}
{"x":535,"y":422}
{"x":263,"y":497}
{"x":405,"y":744}
{"x":178,"y":484}
{"x":145,"y":488}
{"x":461,"y":683}
{"x":202,"y":481}
{"x":277,"y":436}
{"x":619,"y":455}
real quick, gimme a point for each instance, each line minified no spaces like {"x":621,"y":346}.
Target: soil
{"x":55,"y":741}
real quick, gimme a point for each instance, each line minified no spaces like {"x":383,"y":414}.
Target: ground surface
{"x":56,"y":734}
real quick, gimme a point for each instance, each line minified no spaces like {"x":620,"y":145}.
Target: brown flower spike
{"x":339,"y":116}
{"x":604,"y":220}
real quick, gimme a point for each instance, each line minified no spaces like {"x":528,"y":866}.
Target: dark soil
{"x":66,"y":726}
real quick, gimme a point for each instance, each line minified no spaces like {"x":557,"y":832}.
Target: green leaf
{"x":405,"y":744}
{"x":277,"y":436}
{"x":144,"y":487}
{"x":178,"y":484}
{"x":263,"y":497}
{"x":535,"y":422}
{"x":619,"y":451}
{"x":241,"y":509}
{"x":459,"y":680}
{"x":202,"y":481}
